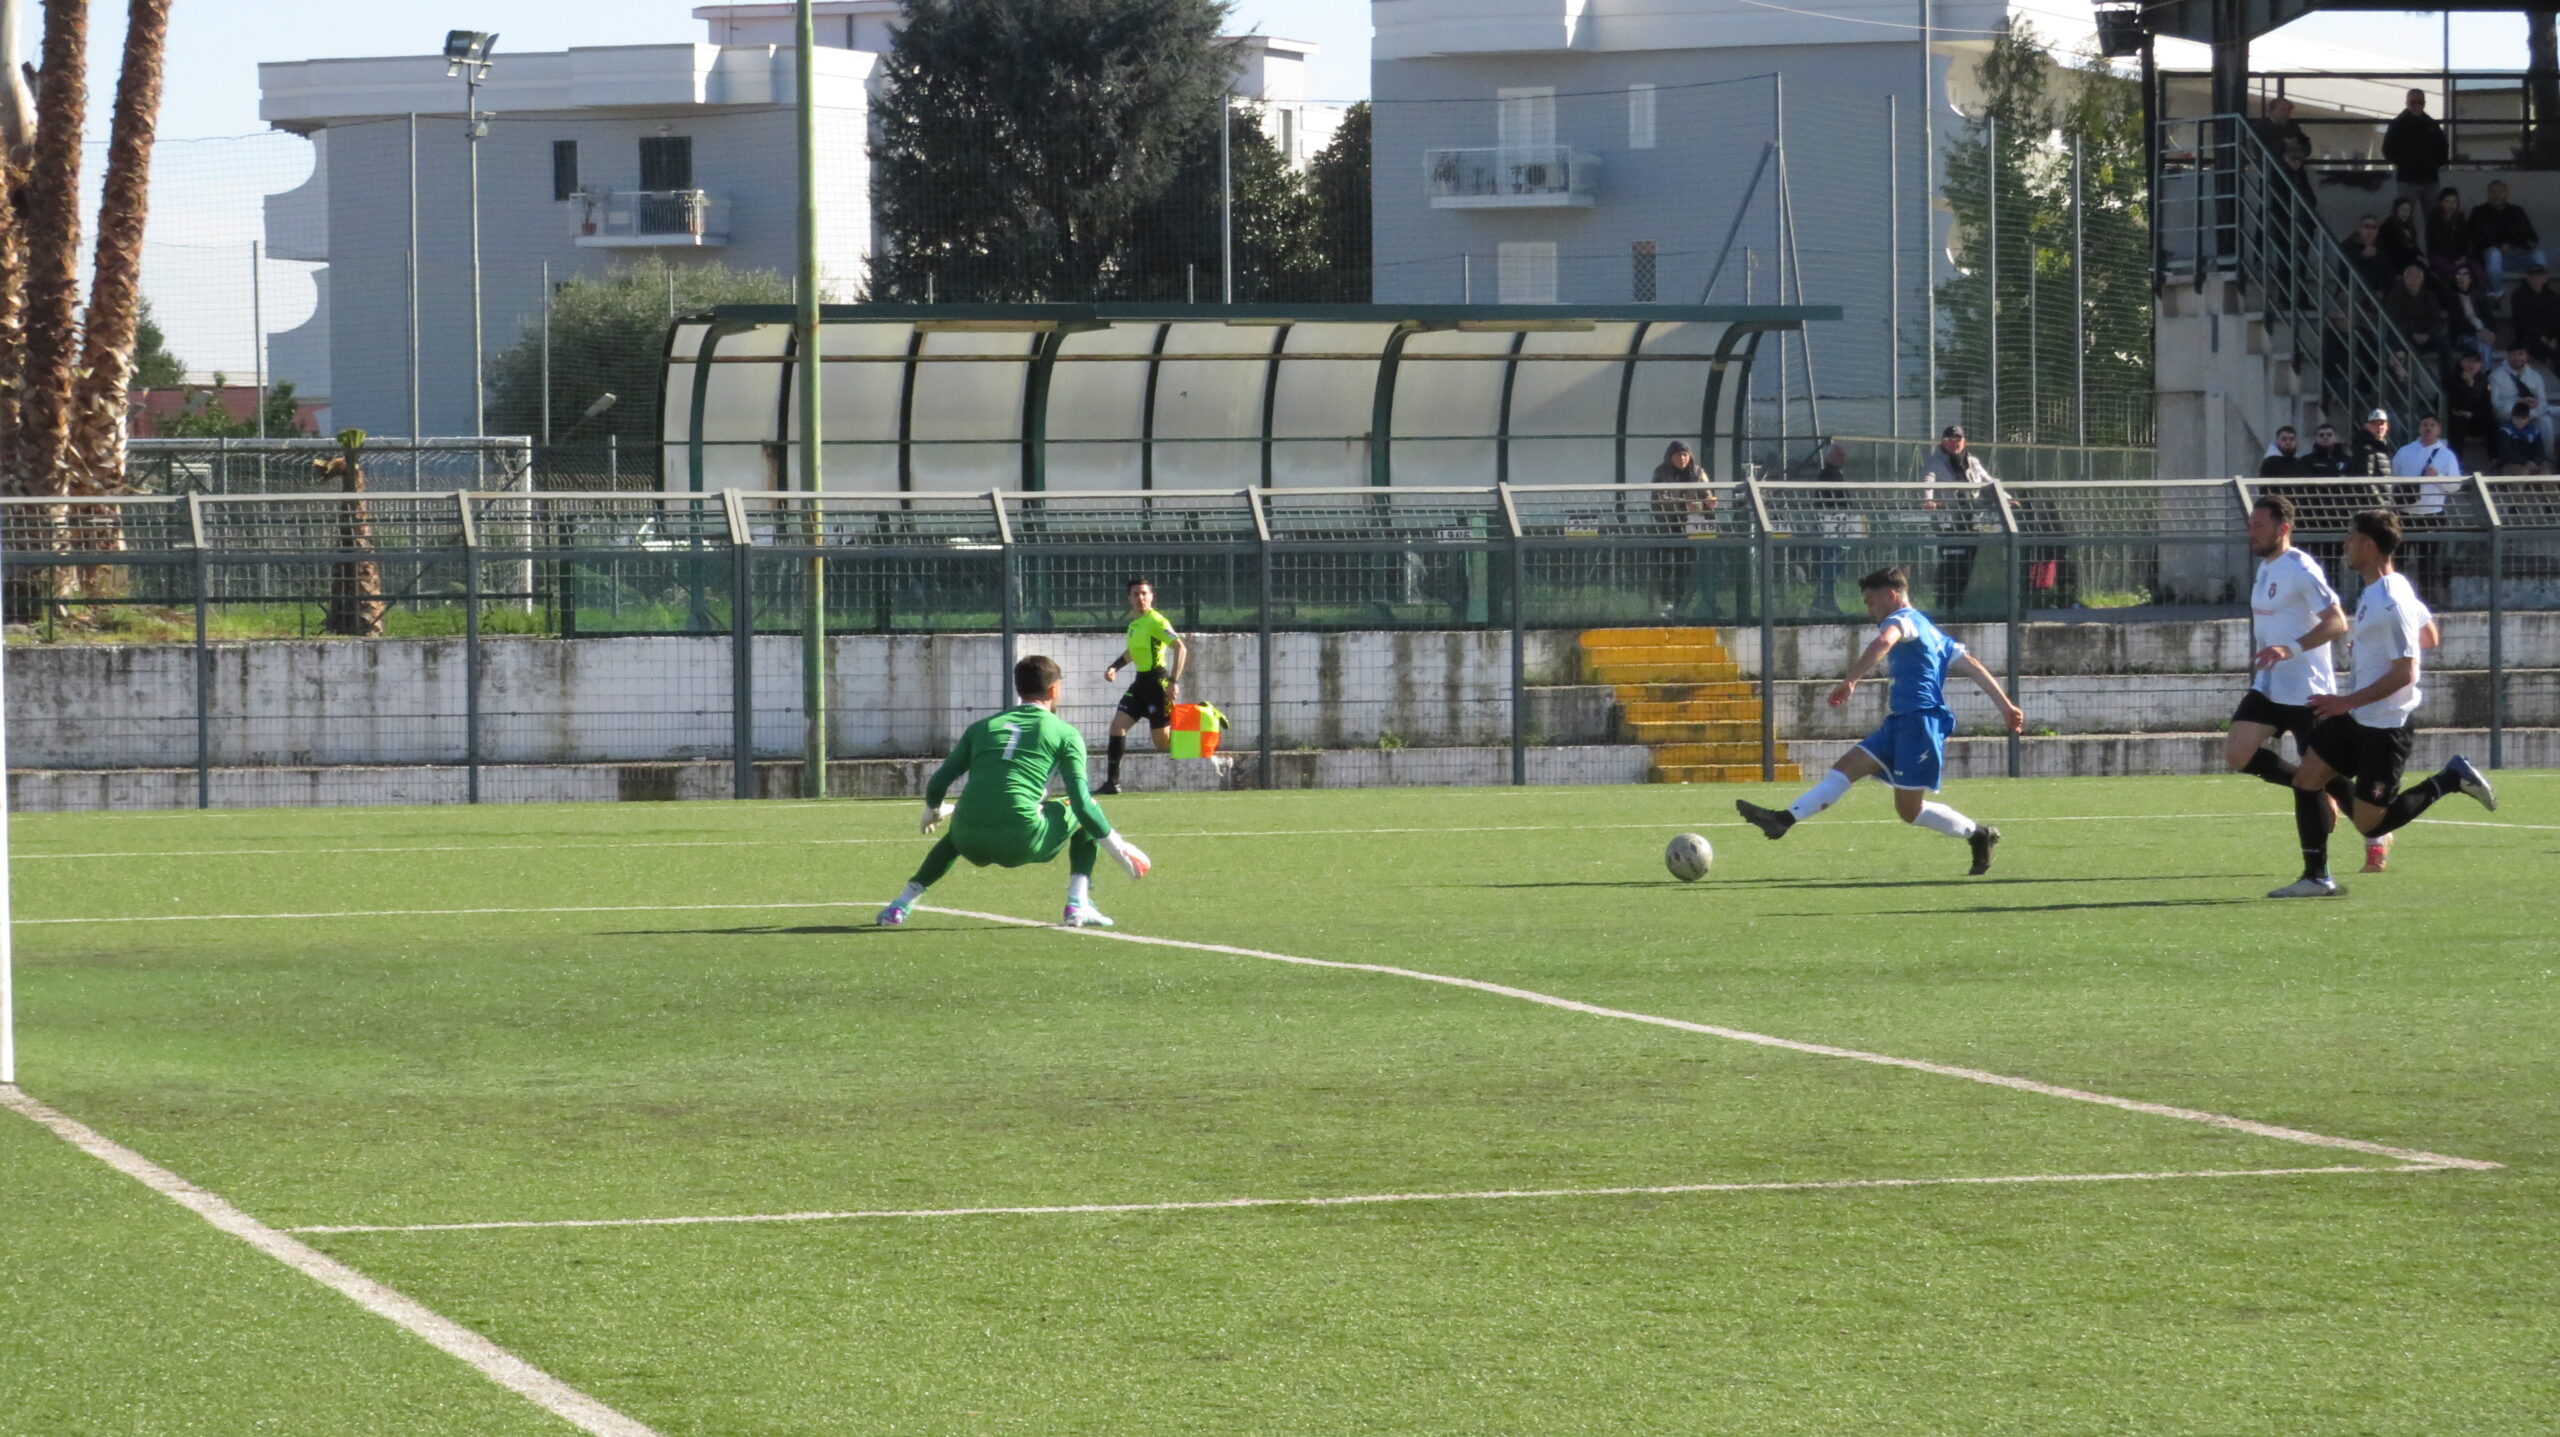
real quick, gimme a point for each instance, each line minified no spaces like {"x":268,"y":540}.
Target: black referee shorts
{"x":2371,"y":758}
{"x":1147,"y":702}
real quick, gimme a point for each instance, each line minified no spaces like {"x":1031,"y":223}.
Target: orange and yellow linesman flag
{"x":1195,"y":730}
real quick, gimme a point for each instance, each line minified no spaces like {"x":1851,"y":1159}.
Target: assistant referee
{"x":1157,"y":655}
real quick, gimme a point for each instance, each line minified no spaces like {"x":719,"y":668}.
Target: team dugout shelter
{"x":949,"y":399}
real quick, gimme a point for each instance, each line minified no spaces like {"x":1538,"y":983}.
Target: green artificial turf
{"x":690,"y":1045}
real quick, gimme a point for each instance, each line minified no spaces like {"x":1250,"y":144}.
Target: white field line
{"x":1364,"y":1199}
{"x":320,"y":849}
{"x":1973,"y":1075}
{"x":494,"y":1362}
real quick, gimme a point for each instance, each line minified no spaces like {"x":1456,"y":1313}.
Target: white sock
{"x":1945,"y":820}
{"x":907,"y":897}
{"x":1079,"y":889}
{"x":1833,"y":787}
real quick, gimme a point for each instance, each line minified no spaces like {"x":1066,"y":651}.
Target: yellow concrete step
{"x":1622,"y":638}
{"x":1723,"y":773}
{"x":1739,"y":710}
{"x":1681,"y":692}
{"x":1685,"y":755}
{"x":1742,"y":728}
{"x":1653,"y":671}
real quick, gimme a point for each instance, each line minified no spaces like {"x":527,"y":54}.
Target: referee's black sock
{"x":2311,"y":820}
{"x":2270,"y":765}
{"x":1119,"y":746}
{"x":2412,"y":801}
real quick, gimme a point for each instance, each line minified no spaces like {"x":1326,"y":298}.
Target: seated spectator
{"x":2466,"y":317}
{"x":2505,"y":235}
{"x":2404,"y":233}
{"x":2414,"y":312}
{"x":2368,"y":256}
{"x":2535,"y":309}
{"x":2520,"y":443}
{"x":2327,"y":456}
{"x":2282,"y":461}
{"x":2428,"y":457}
{"x":2471,"y":415}
{"x":2517,"y":383}
{"x":2449,"y":242}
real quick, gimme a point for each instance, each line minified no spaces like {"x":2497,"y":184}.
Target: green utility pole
{"x":813,"y":626}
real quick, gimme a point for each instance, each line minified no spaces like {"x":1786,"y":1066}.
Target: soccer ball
{"x":1689,"y":857}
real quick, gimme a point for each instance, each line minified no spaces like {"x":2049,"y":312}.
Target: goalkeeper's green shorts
{"x":1016,"y":845}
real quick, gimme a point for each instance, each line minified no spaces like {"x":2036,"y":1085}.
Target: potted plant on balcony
{"x":1444,"y":173}
{"x":590,"y":205}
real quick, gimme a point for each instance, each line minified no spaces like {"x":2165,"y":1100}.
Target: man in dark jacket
{"x":2371,"y":456}
{"x":2470,"y":415}
{"x":2535,"y":308}
{"x":2518,"y":446}
{"x":2505,"y":234}
{"x":2283,"y":461}
{"x":2327,"y":457}
{"x":2412,"y":308}
{"x":2370,"y":256}
{"x":2414,"y":144}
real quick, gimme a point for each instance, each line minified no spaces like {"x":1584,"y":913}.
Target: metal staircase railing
{"x":2224,"y":205}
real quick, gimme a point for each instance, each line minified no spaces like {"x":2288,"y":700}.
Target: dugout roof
{"x":970,"y":398}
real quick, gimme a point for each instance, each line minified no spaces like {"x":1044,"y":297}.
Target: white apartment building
{"x":593,"y":155}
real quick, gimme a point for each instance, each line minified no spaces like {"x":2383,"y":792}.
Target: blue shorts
{"x":1912,"y":747}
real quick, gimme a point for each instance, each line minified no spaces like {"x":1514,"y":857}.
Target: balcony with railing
{"x":651,"y":219}
{"x":1535,"y":177}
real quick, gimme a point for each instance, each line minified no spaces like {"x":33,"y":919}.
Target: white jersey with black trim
{"x":2285,"y":602}
{"x":2390,"y":622}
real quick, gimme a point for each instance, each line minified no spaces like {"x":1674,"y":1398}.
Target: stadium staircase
{"x":1682,"y":695}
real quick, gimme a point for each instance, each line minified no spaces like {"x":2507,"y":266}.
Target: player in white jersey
{"x":2293,"y":617}
{"x":2365,"y":734}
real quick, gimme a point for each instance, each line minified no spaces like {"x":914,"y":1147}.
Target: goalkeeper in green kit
{"x":1004,"y":816}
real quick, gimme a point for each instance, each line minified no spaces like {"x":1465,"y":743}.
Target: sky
{"x":215,"y":46}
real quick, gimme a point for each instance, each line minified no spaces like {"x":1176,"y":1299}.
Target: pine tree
{"x":1339,"y":183}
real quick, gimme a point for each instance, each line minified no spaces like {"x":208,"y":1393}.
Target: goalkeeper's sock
{"x":1938,"y":818}
{"x":909,"y":896}
{"x":1119,"y":746}
{"x":1833,"y":787}
{"x":1079,"y":890}
{"x":2270,"y":765}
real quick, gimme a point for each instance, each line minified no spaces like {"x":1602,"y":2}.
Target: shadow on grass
{"x":826,"y":930}
{"x":1958,"y":880}
{"x":2024,"y":908}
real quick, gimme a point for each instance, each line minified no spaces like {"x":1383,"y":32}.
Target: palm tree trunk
{"x":53,"y":252}
{"x":115,"y":290}
{"x":17,"y":147}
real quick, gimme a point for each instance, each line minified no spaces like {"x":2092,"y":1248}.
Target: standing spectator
{"x":2449,"y":241}
{"x":2466,"y":322}
{"x":1839,"y":521}
{"x":2415,"y":146}
{"x":2535,"y":309}
{"x":2519,"y":446}
{"x":2505,"y":235}
{"x":2414,"y":312}
{"x":2438,"y":472}
{"x":1954,"y":487}
{"x":1688,"y":511}
{"x":2518,"y":382}
{"x":2283,"y":461}
{"x":2371,"y":456}
{"x":2471,"y":413}
{"x":2327,"y":457}
{"x":2368,"y":256}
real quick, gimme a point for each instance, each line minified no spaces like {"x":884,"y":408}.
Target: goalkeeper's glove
{"x":933,"y":817}
{"x":1131,"y":857}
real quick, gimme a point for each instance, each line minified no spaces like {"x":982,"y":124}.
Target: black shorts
{"x":2295,"y":719}
{"x":2371,"y":758}
{"x":1146,"y":700}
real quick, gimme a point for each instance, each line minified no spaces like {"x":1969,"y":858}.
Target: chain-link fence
{"x":229,"y":649}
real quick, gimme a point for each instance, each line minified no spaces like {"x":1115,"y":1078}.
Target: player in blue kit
{"x":1910,"y":748}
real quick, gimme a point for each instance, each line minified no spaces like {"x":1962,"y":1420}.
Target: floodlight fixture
{"x":468,"y":48}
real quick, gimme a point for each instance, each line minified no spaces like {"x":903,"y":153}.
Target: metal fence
{"x":495,"y":647}
{"x":294,"y":466}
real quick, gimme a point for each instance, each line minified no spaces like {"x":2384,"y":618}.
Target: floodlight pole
{"x":472,"y":74}
{"x":1226,"y":197}
{"x":813,"y":629}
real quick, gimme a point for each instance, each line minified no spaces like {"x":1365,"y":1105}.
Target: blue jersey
{"x":1918,"y":662}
